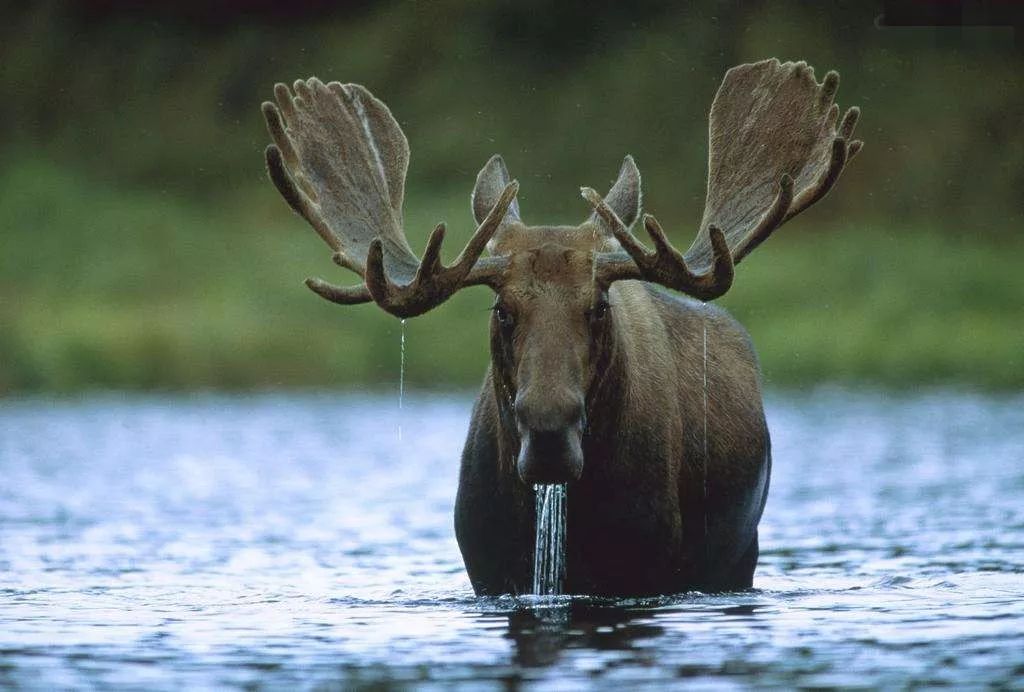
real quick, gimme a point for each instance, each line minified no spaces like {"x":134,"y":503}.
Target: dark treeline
{"x":143,"y":246}
{"x":148,"y":95}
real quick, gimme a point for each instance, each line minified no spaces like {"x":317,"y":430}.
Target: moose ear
{"x":624,"y":197}
{"x":490,"y":183}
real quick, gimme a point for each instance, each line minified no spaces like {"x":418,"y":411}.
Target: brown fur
{"x":637,"y":513}
{"x":647,"y":404}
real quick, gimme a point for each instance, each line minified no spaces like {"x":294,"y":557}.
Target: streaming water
{"x":401,"y":381}
{"x":704,"y":323}
{"x":549,"y":549}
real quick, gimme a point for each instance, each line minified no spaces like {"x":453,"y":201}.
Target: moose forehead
{"x":549,"y":255}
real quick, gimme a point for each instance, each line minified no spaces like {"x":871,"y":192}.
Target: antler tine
{"x":846,"y":132}
{"x":296,"y":198}
{"x":772,"y":219}
{"x":278,"y":132}
{"x":850,"y":119}
{"x":842,"y":151}
{"x":284,"y":101}
{"x":343,"y":295}
{"x":819,"y":189}
{"x":629,"y":243}
{"x":431,"y":261}
{"x":434,"y":283}
{"x":486,"y":230}
{"x":276,"y":127}
{"x":829,"y":87}
{"x":670,"y":268}
{"x":665,"y":265}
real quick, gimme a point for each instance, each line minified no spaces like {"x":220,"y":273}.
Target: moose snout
{"x":551,"y":439}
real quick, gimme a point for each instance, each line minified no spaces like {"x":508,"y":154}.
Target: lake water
{"x":293,"y":541}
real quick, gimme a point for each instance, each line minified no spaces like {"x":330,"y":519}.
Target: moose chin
{"x":647,"y":403}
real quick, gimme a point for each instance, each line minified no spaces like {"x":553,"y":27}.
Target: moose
{"x":646,"y":403}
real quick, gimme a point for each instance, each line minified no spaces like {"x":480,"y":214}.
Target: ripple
{"x":212,"y":541}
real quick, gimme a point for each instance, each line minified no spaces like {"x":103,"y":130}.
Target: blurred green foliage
{"x":142,"y":246}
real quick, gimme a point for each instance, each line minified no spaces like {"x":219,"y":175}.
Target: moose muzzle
{"x":551,"y":441}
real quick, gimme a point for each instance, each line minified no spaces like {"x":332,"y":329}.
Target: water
{"x":210,"y":542}
{"x":707,"y":450}
{"x":401,"y":379}
{"x":549,"y":544}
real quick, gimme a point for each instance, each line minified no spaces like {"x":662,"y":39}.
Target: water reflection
{"x":541,"y":635}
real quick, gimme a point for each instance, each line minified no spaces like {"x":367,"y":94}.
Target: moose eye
{"x":503,"y":316}
{"x":599,"y":311}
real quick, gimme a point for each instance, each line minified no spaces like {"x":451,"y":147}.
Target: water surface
{"x":293,"y":540}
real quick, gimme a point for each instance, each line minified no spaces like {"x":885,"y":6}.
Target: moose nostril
{"x":550,"y":457}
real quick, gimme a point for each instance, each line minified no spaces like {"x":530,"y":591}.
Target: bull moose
{"x":648,"y":404}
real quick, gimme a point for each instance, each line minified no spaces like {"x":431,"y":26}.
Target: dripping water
{"x":704,"y":322}
{"x":549,"y":548}
{"x":401,"y":380}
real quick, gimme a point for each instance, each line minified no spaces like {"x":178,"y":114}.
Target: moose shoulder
{"x":646,"y":403}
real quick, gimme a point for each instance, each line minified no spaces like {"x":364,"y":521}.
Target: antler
{"x":665,"y":265}
{"x":774,"y":151}
{"x":339,"y":159}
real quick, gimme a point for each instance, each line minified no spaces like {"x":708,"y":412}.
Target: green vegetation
{"x":142,"y":246}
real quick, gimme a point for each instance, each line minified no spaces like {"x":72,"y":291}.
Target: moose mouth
{"x":551,"y":456}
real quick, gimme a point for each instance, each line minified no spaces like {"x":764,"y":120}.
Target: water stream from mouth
{"x":549,"y":548}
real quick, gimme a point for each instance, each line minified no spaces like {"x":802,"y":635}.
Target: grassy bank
{"x":114,"y":288}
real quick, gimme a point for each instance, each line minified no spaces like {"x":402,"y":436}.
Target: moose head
{"x":339,"y":158}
